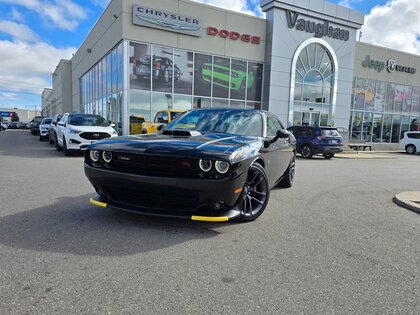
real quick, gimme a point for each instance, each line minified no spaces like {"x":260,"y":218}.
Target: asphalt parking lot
{"x":334,"y":243}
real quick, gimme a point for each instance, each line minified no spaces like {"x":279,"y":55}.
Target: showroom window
{"x":383,"y":111}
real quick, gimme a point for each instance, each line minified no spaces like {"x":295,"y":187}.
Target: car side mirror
{"x":60,"y":123}
{"x":112,"y":125}
{"x":282,"y":134}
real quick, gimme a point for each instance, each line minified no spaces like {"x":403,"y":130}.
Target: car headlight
{"x":113,"y":132}
{"x":205,"y":165}
{"x":74,"y":131}
{"x":221,"y":166}
{"x":94,"y":155}
{"x":107,"y":156}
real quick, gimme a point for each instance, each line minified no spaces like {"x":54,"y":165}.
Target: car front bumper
{"x":77,"y":143}
{"x":329,"y":149}
{"x":191,"y":198}
{"x":44,"y":133}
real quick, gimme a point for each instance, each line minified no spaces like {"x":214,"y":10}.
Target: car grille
{"x":94,"y":135}
{"x":153,"y":165}
{"x":153,"y":200}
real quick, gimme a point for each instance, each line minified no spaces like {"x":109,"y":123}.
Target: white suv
{"x":44,"y":128}
{"x":76,"y":132}
{"x":410,"y":142}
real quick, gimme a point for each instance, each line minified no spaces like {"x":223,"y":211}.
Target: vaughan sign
{"x":318,"y":29}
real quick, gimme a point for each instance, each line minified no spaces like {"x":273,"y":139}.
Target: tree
{"x":14,"y":117}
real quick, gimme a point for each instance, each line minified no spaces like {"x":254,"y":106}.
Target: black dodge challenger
{"x":208,"y":165}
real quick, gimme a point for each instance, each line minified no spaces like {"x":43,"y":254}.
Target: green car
{"x":221,"y":76}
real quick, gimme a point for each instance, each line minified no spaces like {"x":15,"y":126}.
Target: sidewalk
{"x":409,"y":200}
{"x":351,"y":154}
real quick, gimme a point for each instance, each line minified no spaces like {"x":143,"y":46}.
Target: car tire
{"x":65,"y":150}
{"x":40,"y":138}
{"x":328,"y":155}
{"x":57,"y":147}
{"x":289,"y":174}
{"x":307,"y":151}
{"x":50,"y":139}
{"x":255,"y":194}
{"x":410,"y":149}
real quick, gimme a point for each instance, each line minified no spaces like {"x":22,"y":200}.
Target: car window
{"x":272,"y":126}
{"x":87,"y":120}
{"x":175,"y":115}
{"x":413,"y":135}
{"x":165,"y":116}
{"x":158,"y":115}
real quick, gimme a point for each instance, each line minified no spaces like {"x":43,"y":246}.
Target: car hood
{"x":108,"y":129}
{"x":208,"y":145}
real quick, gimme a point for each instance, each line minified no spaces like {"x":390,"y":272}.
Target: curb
{"x":402,"y":200}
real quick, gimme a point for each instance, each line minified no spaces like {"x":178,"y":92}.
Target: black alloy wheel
{"x":328,"y":155}
{"x":410,"y":149}
{"x":255,"y":194}
{"x":57,"y":147}
{"x":307,"y":151}
{"x":289,"y":174}
{"x":65,"y":150}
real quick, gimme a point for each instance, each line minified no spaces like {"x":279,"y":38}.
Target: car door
{"x":280,"y":150}
{"x":60,"y":129}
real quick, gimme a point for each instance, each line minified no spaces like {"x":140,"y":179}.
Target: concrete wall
{"x":383,"y":54}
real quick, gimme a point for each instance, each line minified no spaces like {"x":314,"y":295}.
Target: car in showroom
{"x":224,"y":77}
{"x":162,"y":118}
{"x":311,"y":140}
{"x":52,"y":133}
{"x":410,"y":142}
{"x":75,"y":132}
{"x":44,"y":128}
{"x":215,"y":165}
{"x":162,"y":69}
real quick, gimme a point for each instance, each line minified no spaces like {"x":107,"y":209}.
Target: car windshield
{"x":329,"y":132}
{"x":38,"y":119}
{"x":239,"y":122}
{"x":88,"y":120}
{"x":46,"y":121}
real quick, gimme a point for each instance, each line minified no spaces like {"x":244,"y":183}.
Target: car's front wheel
{"x":328,"y":155}
{"x":307,"y":151}
{"x":410,"y":149}
{"x":255,"y":194}
{"x":57,"y":146}
{"x":65,"y":150}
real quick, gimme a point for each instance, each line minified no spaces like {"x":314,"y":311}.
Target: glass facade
{"x":168,"y":78}
{"x":101,"y":88}
{"x":382,"y":112}
{"x":314,"y":82}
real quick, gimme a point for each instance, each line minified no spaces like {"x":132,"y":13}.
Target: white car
{"x":44,"y":128}
{"x":410,"y":142}
{"x":75,"y":132}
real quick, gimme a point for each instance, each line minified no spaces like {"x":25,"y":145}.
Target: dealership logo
{"x":247,"y":38}
{"x":318,"y":29}
{"x":173,"y":22}
{"x":391,"y":65}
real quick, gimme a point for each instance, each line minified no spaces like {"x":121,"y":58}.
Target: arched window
{"x":314,"y":77}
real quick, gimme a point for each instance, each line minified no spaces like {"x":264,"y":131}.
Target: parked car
{"x":24,"y":125}
{"x":312,"y":140}
{"x":44,"y":128}
{"x":222,"y":76}
{"x":14,"y":125}
{"x":410,"y":142}
{"x":76,"y":131}
{"x":34,"y":123}
{"x":162,"y":69}
{"x":136,"y":124}
{"x":162,"y":118}
{"x":214,"y":164}
{"x":4,"y":125}
{"x":53,"y":127}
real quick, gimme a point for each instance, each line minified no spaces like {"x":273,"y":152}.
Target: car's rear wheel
{"x":307,"y":151}
{"x":57,"y":147}
{"x":41,"y":138}
{"x":255,"y":194}
{"x":50,"y":139}
{"x":289,"y":174}
{"x":410,"y":149}
{"x":328,"y":155}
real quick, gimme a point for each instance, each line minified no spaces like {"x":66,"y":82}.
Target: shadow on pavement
{"x":72,"y":225}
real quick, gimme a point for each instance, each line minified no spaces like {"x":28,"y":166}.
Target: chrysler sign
{"x":168,"y":21}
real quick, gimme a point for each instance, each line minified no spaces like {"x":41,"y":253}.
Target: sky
{"x":36,"y":34}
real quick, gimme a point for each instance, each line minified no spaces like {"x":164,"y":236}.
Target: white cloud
{"x":395,"y":25}
{"x":18,"y":31}
{"x":10,"y":96}
{"x":29,"y":65}
{"x":64,"y":14}
{"x":101,"y":3}
{"x":234,"y":5}
{"x":16,"y":15}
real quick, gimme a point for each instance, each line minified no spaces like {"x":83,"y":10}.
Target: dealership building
{"x":302,"y":62}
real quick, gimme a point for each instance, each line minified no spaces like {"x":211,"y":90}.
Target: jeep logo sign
{"x":391,"y":65}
